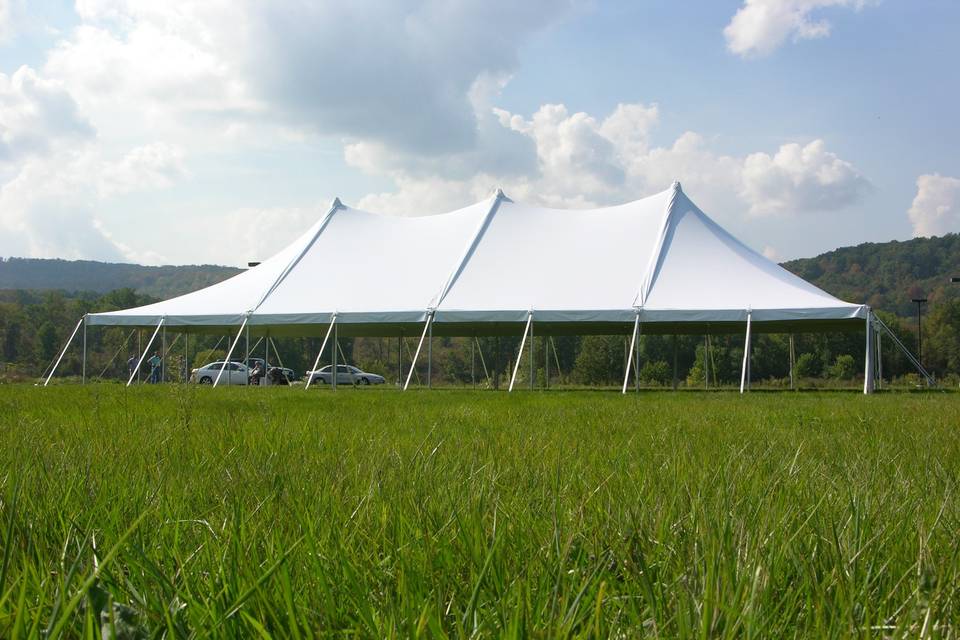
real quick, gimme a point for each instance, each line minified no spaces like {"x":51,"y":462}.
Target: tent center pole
{"x":745,"y":368}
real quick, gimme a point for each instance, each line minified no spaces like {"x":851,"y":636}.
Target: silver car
{"x":234,"y":373}
{"x":346,"y":374}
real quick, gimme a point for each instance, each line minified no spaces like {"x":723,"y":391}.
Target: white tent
{"x":497,"y":267}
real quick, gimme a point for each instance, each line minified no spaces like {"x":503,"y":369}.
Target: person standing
{"x":155,"y":362}
{"x":131,"y":365}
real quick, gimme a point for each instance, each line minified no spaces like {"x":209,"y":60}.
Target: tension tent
{"x":498,"y":266}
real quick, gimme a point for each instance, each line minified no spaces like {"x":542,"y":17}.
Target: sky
{"x":217,"y":131}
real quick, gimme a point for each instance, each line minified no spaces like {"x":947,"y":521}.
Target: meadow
{"x":177,"y":512}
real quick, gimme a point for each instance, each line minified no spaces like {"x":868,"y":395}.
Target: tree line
{"x":35,"y":325}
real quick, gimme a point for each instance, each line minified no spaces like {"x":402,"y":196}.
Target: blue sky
{"x":216,"y":131}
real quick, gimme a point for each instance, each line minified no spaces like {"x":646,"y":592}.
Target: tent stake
{"x":65,"y":347}
{"x":230,"y":351}
{"x":416,"y":355}
{"x":868,"y":357}
{"x":516,"y":366}
{"x":633,"y":344}
{"x":144,"y":352}
{"x":745,"y":369}
{"x":316,"y":363}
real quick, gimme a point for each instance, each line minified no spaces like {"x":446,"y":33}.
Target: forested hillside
{"x":887,"y":275}
{"x":101,"y":277}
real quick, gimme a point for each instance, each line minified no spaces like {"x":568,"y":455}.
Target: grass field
{"x":177,"y":512}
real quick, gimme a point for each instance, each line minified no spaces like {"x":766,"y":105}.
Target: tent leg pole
{"x":430,"y":356}
{"x":163,"y":350}
{"x":473,"y":363}
{"x":233,"y":345}
{"x":745,"y":368}
{"x":316,"y":363}
{"x":496,"y":366}
{"x":868,"y":358}
{"x":65,"y":347}
{"x":144,"y":352}
{"x":533,"y":364}
{"x":879,"y":362}
{"x":246,"y":356}
{"x":516,"y":366}
{"x":186,"y":357}
{"x":400,"y":359}
{"x":83,"y":367}
{"x":334,"y":374}
{"x":416,"y":354}
{"x":139,"y":351}
{"x":633,"y":344}
{"x":793,"y":364}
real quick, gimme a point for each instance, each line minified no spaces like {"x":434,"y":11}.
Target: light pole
{"x":920,"y":302}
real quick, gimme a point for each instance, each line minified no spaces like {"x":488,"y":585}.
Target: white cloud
{"x":152,"y":166}
{"x":936,"y":207}
{"x":806,"y":178}
{"x":6,"y":21}
{"x":760,"y":26}
{"x":582,"y":160}
{"x":36,"y":114}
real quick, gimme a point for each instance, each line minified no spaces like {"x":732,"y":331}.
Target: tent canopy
{"x":486,"y":268}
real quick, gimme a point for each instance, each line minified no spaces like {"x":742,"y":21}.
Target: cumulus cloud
{"x":806,"y":178}
{"x":582,"y":160}
{"x":153,"y":166}
{"x":35,"y":115}
{"x":761,"y":26}
{"x":6,"y":21}
{"x":936,"y":207}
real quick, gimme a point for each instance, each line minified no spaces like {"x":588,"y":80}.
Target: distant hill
{"x":101,"y":277}
{"x":887,"y":275}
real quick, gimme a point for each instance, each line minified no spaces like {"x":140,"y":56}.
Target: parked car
{"x":346,"y":374}
{"x":288,"y":372}
{"x":234,"y":373}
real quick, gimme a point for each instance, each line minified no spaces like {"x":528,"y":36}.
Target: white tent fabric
{"x":498,"y":261}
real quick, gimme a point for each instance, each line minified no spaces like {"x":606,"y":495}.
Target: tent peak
{"x":498,"y":194}
{"x":336,"y":204}
{"x":676,"y":186}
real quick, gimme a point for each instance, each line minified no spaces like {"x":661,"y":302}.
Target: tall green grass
{"x":179,"y":512}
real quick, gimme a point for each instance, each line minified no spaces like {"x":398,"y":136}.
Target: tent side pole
{"x":65,"y":347}
{"x":139,"y":351}
{"x":83,"y":366}
{"x":144,"y":352}
{"x":430,"y":355}
{"x":745,"y":368}
{"x":186,"y":357}
{"x":334,"y":374}
{"x":879,"y":362}
{"x":416,"y":355}
{"x":473,"y":363}
{"x":523,"y":341}
{"x":233,"y":345}
{"x":483,"y":362}
{"x":400,"y":359}
{"x":633,"y":344}
{"x":868,"y":365}
{"x":246,"y":356}
{"x":316,"y":363}
{"x":533,"y":363}
{"x":556,"y":358}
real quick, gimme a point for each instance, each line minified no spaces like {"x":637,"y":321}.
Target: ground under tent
{"x":653,"y":266}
